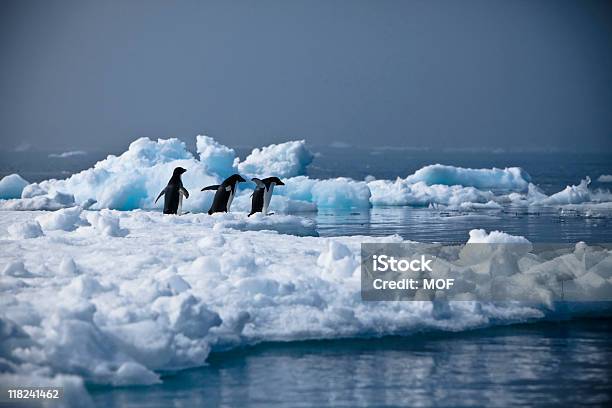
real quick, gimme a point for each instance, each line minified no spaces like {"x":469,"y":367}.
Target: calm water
{"x":545,"y":364}
{"x":429,"y":225}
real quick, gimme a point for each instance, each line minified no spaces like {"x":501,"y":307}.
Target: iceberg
{"x":510,"y":178}
{"x":571,"y":194}
{"x":282,"y":160}
{"x":338,"y":193}
{"x":11,"y":186}
{"x":219,"y":159}
{"x":402,"y":192}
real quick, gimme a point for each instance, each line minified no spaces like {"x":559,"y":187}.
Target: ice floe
{"x":117,"y":301}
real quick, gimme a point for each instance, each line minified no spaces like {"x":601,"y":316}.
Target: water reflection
{"x":431,"y":225}
{"x":544,"y":364}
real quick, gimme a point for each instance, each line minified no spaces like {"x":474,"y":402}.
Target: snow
{"x":67,"y":219}
{"x":68,"y":267}
{"x":106,"y":223}
{"x":79,"y":304}
{"x":24,"y":230}
{"x":283,"y":224}
{"x":45,"y":201}
{"x":16,"y":269}
{"x":11,"y":186}
{"x":480,"y":236}
{"x":281,"y":160}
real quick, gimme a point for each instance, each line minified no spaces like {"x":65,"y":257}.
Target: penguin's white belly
{"x":229,"y":200}
{"x":267,"y":198}
{"x":179,"y":210}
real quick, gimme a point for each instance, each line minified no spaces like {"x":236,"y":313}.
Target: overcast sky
{"x":510,"y":74}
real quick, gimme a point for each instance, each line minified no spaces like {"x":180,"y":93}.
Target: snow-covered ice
{"x":287,"y":159}
{"x":115,"y":297}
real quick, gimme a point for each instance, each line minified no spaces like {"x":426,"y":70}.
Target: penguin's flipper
{"x":185,"y":192}
{"x":160,"y":194}
{"x":213,"y":187}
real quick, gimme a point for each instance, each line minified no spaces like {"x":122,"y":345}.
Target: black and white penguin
{"x":225,"y":193}
{"x":263,"y":194}
{"x":174,"y":192}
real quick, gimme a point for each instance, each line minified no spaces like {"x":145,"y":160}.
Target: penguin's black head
{"x":274,"y":180}
{"x":178,"y":171}
{"x":235,"y":178}
{"x":258,"y":182}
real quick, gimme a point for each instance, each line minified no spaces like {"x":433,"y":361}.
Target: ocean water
{"x":545,"y":364}
{"x":548,"y":363}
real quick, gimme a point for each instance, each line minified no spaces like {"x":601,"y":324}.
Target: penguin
{"x":263,"y":194}
{"x":174,"y":192}
{"x":224,"y":193}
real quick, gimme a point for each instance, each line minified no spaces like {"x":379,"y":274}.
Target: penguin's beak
{"x":280,"y":183}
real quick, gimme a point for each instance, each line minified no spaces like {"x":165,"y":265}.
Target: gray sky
{"x":511,"y":74}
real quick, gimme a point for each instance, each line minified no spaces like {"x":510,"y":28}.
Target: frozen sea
{"x":563,"y":362}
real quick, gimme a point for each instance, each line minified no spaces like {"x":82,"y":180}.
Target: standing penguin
{"x":263,"y":194}
{"x":224,"y":193}
{"x":174,"y":192}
